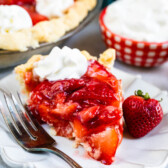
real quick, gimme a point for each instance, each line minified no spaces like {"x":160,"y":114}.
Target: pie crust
{"x":107,"y":59}
{"x":47,"y":31}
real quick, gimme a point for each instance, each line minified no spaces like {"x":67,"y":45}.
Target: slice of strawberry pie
{"x":78,"y":96}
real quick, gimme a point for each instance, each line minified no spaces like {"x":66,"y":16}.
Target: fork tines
{"x":15,"y":116}
{"x":23,"y":126}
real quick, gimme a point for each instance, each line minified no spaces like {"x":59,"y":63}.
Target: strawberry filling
{"x":87,"y":109}
{"x":29,"y":6}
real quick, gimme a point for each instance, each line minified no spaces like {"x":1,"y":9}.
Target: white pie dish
{"x":150,"y":151}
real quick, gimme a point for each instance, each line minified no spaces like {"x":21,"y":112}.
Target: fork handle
{"x":62,"y":155}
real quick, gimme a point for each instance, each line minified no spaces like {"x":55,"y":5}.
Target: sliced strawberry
{"x":36,"y":17}
{"x":95,"y":116}
{"x":65,"y":86}
{"x":44,"y":110}
{"x":49,"y":90}
{"x":64,"y":111}
{"x":30,"y":81}
{"x":109,"y":114}
{"x":6,"y":2}
{"x":23,"y":2}
{"x":79,"y":130}
{"x":88,"y":114}
{"x":28,"y":78}
{"x":98,"y":71}
{"x":17,"y":2}
{"x":103,"y":145}
{"x":98,"y":93}
{"x":60,"y":98}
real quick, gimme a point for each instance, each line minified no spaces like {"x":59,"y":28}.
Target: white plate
{"x":150,"y":151}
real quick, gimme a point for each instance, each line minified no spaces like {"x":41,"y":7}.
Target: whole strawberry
{"x":141,"y":114}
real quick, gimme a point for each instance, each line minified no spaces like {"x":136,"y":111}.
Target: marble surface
{"x":90,"y":39}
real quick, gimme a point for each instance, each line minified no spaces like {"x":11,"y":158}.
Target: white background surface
{"x":90,"y":40}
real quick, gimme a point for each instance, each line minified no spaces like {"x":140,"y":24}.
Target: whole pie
{"x":27,"y":23}
{"x":78,"y":96}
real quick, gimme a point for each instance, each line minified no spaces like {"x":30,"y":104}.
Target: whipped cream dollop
{"x":13,"y":18}
{"x":53,"y":8}
{"x":65,"y":63}
{"x":142,"y":20}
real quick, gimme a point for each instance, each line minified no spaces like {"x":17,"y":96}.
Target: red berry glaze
{"x":24,"y":2}
{"x":30,"y":81}
{"x":6,"y":2}
{"x":36,"y":17}
{"x":141,"y":115}
{"x":89,"y":108}
{"x":17,"y":2}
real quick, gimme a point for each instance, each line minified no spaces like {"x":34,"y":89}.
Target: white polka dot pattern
{"x":117,"y":46}
{"x":163,"y":53}
{"x":139,"y":53}
{"x":153,"y":46}
{"x":127,"y":50}
{"x":164,"y":46}
{"x":118,"y":39}
{"x":151,"y":54}
{"x":109,"y":42}
{"x":140,"y":45}
{"x":128,"y":57}
{"x":128,"y":43}
{"x":108,"y":34}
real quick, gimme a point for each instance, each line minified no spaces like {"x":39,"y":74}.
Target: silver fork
{"x":28,"y":133}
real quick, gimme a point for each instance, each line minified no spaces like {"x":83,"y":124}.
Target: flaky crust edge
{"x":107,"y":59}
{"x":47,"y":31}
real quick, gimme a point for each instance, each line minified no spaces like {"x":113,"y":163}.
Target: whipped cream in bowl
{"x":65,"y":63}
{"x":137,"y":29}
{"x":53,"y":8}
{"x":13,"y":18}
{"x":141,"y":20}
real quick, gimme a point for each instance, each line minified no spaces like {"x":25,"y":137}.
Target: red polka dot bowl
{"x":137,"y":53}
